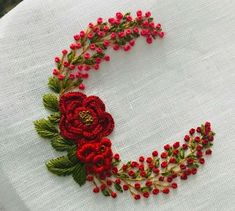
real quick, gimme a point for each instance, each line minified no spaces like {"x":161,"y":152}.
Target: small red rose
{"x":97,"y":156}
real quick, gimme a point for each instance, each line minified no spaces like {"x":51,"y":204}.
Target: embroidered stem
{"x":150,"y":176}
{"x":87,"y":50}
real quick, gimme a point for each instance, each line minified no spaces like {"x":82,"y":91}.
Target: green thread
{"x":61,"y":166}
{"x":54,"y":84}
{"x":60,"y":144}
{"x":50,"y":101}
{"x":79,"y":174}
{"x":45,"y":128}
{"x":54,"y":118}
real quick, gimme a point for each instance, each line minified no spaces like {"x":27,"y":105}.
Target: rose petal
{"x":76,"y":98}
{"x":107,"y":123}
{"x":83,"y":141}
{"x":65,"y":130}
{"x":95,"y":103}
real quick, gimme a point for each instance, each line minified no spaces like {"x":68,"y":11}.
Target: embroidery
{"x":79,"y":124}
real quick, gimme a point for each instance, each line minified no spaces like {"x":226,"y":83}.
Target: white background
{"x":155,"y":94}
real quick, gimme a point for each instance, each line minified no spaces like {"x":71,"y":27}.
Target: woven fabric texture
{"x":155,"y":94}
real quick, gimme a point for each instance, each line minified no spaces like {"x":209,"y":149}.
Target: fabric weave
{"x":155,"y":94}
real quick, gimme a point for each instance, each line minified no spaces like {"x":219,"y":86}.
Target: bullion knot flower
{"x":97,"y":156}
{"x":83,"y":117}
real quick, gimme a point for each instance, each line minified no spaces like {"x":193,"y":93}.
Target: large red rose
{"x":84,"y":117}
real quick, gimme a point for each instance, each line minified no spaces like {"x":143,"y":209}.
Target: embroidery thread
{"x":79,"y":124}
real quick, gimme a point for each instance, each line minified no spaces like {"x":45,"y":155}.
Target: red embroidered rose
{"x":97,"y":156}
{"x":101,"y":164}
{"x":84,"y":117}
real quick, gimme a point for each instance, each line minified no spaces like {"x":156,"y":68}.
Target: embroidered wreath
{"x":79,"y":124}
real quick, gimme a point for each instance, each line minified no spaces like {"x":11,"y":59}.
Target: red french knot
{"x":83,"y":118}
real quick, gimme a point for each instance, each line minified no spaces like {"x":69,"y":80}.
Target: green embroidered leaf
{"x":50,"y":101}
{"x":54,"y":118}
{"x":45,"y":128}
{"x":54,"y":84}
{"x":70,"y":56}
{"x":76,"y":83}
{"x":157,"y":163}
{"x":170,"y":151}
{"x":98,"y":55}
{"x":58,"y":66}
{"x":105,"y":192}
{"x":149,"y":172}
{"x":195,"y":165}
{"x":118,"y":187}
{"x":182,"y":154}
{"x":72,"y":154}
{"x":127,"y":14}
{"x":144,"y":189}
{"x":193,"y":145}
{"x":61,"y":166}
{"x":89,"y":61}
{"x":79,"y":174}
{"x":77,"y":60}
{"x":116,"y":163}
{"x":150,"y":20}
{"x":166,"y":173}
{"x":68,"y":83}
{"x":60,"y":144}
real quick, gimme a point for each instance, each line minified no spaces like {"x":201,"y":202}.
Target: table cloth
{"x":155,"y":94}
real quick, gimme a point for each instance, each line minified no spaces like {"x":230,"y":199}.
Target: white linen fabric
{"x":155,"y":93}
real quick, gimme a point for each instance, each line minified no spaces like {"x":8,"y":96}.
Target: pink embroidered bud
{"x":64,"y":52}
{"x":139,"y":13}
{"x":57,"y":59}
{"x":147,"y":14}
{"x":86,"y":56}
{"x":73,"y":46}
{"x":106,"y":28}
{"x":80,"y":67}
{"x":98,"y":60}
{"x":107,"y":58}
{"x":99,"y":50}
{"x":61,"y":77}
{"x":106,"y":43}
{"x":90,"y":35}
{"x":99,"y":21}
{"x":161,"y":34}
{"x":127,"y":47}
{"x":78,"y":45}
{"x":132,"y":42}
{"x":81,"y":87}
{"x":129,"y":18}
{"x":96,"y":66}
{"x":116,"y":47}
{"x":55,"y":72}
{"x":158,"y":26}
{"x":149,"y":40}
{"x":111,"y":21}
{"x":91,"y":25}
{"x":113,"y":35}
{"x":76,"y":37}
{"x":82,"y":33}
{"x":119,"y":15}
